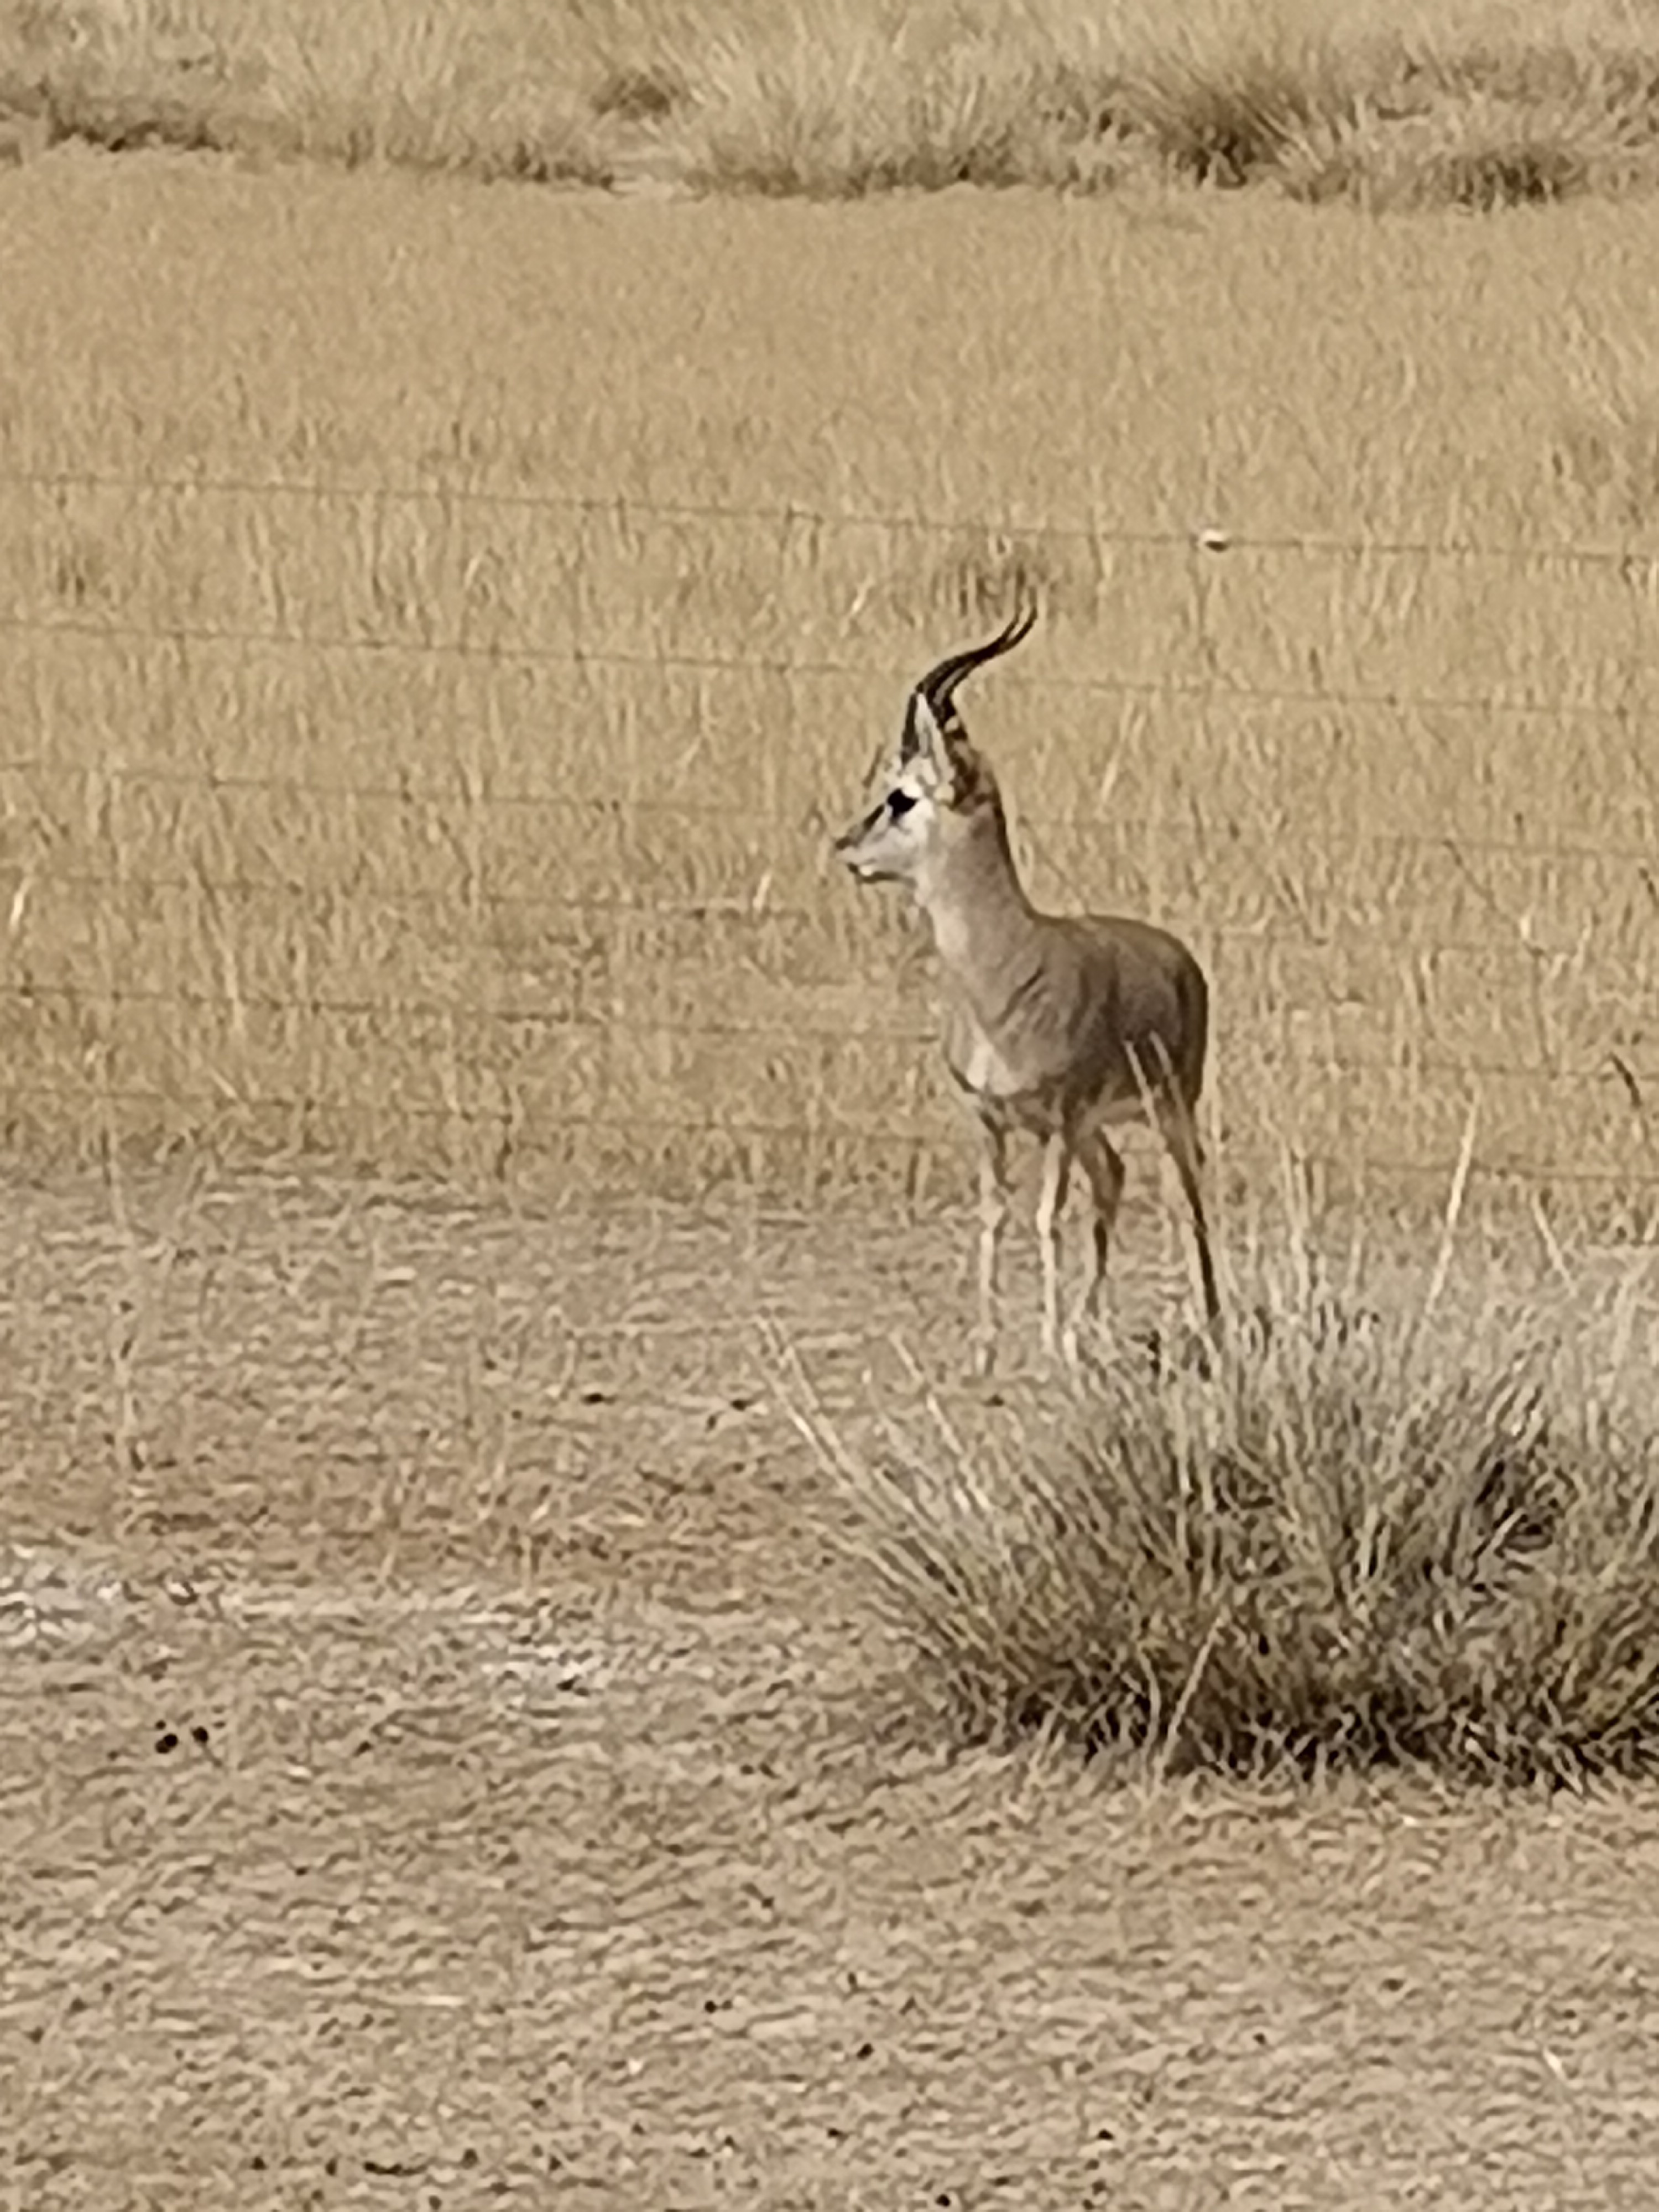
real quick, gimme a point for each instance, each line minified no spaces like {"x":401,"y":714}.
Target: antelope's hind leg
{"x":1057,"y":1179}
{"x":1102,"y":1163}
{"x":1180,"y":1134}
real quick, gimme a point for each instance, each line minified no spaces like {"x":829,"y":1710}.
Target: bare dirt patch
{"x":439,"y":1769}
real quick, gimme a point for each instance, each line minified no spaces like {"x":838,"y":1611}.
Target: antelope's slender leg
{"x":1104,"y":1165}
{"x":1056,"y":1174}
{"x":1180,"y":1134}
{"x":993,"y":1213}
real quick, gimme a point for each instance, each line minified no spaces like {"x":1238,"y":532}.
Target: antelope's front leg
{"x":993,"y":1212}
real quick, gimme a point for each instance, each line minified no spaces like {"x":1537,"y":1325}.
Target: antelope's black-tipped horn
{"x":937,"y":685}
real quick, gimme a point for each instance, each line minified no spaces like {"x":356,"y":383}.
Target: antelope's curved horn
{"x":939,"y":682}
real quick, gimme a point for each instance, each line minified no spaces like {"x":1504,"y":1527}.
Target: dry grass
{"x":462,"y":808}
{"x":541,"y":1846}
{"x":442,"y":626}
{"x":1479,"y":106}
{"x":1389,"y":1522}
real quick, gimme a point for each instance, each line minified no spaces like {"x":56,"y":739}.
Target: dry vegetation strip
{"x":1479,"y":106}
{"x":1407,"y":1515}
{"x":465,"y":808}
{"x":1475,"y":107}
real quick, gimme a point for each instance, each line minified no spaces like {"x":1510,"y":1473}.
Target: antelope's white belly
{"x":986,"y":1070}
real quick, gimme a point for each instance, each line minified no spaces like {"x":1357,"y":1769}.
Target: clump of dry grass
{"x":387,"y":83}
{"x":1231,"y":111}
{"x":1404,"y":1536}
{"x":1482,"y":132}
{"x":842,"y":104}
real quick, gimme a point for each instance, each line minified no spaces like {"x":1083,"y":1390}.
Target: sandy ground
{"x":442,"y":1766}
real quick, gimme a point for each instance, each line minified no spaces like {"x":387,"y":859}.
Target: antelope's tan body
{"x":1055,"y":1026}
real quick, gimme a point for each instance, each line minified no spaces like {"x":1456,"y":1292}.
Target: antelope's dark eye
{"x":900,"y":803}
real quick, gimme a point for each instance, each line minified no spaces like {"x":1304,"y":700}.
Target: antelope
{"x":1057,"y":1026}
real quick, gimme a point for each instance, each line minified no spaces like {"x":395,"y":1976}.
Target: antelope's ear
{"x":922,"y":738}
{"x":952,"y":768}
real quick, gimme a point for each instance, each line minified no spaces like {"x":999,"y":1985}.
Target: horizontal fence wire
{"x":1172,"y":828}
{"x":1210,"y":691}
{"x":780,"y":1034}
{"x":29,"y":881}
{"x":218,"y":1105}
{"x":1212,"y":537}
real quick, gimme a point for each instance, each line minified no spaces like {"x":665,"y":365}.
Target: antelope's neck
{"x":983,"y":925}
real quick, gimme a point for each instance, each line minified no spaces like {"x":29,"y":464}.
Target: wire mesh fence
{"x":469,"y":831}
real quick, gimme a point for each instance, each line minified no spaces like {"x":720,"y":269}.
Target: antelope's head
{"x":936,"y":783}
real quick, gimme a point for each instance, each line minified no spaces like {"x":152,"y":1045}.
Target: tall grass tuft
{"x":1349,"y":1537}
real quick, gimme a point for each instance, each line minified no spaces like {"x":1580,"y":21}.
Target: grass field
{"x":423,"y":738}
{"x":518,"y":1680}
{"x":500,"y":1658}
